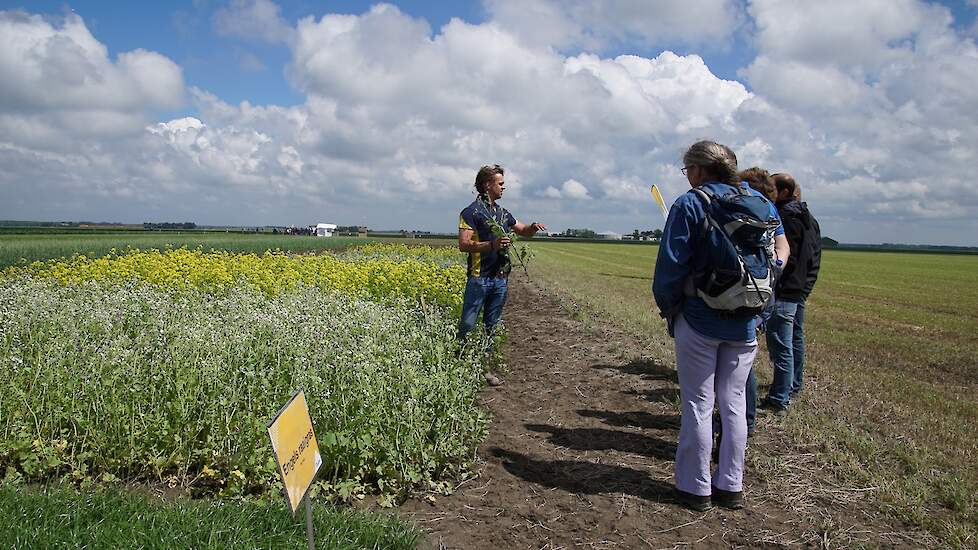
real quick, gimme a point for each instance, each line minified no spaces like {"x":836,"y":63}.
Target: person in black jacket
{"x":813,"y":266}
{"x":785,"y":328}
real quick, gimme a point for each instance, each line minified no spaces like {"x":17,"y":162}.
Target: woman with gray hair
{"x":714,"y":348}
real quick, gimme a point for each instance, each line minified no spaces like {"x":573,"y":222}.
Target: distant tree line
{"x":580,"y":233}
{"x":351,"y":230}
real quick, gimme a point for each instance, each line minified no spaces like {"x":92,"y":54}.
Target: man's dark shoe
{"x":750,"y":432}
{"x":773,"y":408}
{"x":733,"y":500}
{"x":696,"y":503}
{"x":494,"y":380}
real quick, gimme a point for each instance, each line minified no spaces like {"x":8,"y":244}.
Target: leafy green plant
{"x":108,"y":379}
{"x":517,"y":248}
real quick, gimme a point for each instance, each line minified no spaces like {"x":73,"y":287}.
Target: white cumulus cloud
{"x":398,"y":117}
{"x":253,"y":20}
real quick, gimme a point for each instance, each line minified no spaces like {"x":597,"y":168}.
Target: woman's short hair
{"x":485,"y":175}
{"x":718,"y":160}
{"x":759,"y":180}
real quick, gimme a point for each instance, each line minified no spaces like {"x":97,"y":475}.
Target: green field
{"x":890,"y":402}
{"x":15,"y":249}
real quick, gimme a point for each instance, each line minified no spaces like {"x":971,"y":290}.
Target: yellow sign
{"x":295,"y":447}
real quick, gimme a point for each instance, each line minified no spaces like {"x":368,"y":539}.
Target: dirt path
{"x":580,"y":453}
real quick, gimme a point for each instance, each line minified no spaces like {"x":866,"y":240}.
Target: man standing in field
{"x":813,"y":267}
{"x":785,"y":328}
{"x":484,"y":229}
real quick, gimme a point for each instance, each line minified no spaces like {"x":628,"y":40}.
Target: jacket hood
{"x":793,"y":207}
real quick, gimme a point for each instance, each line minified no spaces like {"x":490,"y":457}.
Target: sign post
{"x":309,"y":531}
{"x":297,"y":454}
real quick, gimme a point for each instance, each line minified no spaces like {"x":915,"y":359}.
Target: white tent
{"x":325,"y":229}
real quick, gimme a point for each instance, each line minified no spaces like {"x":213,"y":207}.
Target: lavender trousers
{"x":711,"y":369}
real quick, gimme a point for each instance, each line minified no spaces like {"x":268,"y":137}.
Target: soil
{"x":581,"y":448}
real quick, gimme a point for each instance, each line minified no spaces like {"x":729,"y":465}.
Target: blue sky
{"x":261,"y":112}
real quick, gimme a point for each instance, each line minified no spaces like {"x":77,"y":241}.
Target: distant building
{"x":609,"y":235}
{"x":325,"y":229}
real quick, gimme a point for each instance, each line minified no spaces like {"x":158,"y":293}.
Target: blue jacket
{"x":680,"y":255}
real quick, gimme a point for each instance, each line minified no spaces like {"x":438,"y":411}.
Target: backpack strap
{"x":707,"y":200}
{"x":689,"y":286}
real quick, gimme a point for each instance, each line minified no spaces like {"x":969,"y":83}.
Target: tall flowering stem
{"x":523,"y":253}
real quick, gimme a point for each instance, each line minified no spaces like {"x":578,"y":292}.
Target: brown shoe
{"x":733,"y":500}
{"x":494,"y":380}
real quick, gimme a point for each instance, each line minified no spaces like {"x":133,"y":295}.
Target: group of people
{"x":714,"y":313}
{"x":715,"y":348}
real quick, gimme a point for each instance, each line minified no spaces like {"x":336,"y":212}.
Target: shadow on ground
{"x":600,"y":439}
{"x":635,"y":419}
{"x":657,"y":395}
{"x":584,"y":477}
{"x":645,"y":367}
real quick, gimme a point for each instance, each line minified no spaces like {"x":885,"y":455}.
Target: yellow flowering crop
{"x":411,"y":275}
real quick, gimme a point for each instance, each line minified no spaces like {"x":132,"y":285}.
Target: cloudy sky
{"x":260,"y":113}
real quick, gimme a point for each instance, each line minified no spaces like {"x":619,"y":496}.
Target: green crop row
{"x":108,"y":380}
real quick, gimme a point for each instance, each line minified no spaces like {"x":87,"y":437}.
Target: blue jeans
{"x":786,"y":347}
{"x":487,"y":294}
{"x":750,"y":394}
{"x":798,"y":348}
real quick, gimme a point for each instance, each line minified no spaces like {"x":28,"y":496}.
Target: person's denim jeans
{"x":798,"y":348}
{"x":487,"y":294}
{"x":750,"y":394}
{"x":781,"y":345}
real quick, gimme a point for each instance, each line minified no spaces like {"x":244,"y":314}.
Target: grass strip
{"x":61,"y":517}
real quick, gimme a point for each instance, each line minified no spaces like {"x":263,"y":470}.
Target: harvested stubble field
{"x":888,"y":415}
